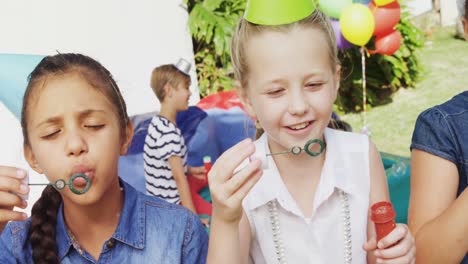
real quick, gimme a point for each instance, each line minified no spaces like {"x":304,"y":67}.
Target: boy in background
{"x":165,"y":152}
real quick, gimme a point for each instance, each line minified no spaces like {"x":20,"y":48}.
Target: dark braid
{"x":44,"y":213}
{"x":42,"y":229}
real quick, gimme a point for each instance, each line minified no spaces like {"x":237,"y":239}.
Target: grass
{"x":445,"y":62}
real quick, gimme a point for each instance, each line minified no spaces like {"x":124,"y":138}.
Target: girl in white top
{"x":303,"y":209}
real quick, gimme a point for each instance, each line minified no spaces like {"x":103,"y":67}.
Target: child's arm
{"x":230,"y":230}
{"x":177,"y":168}
{"x":398,"y":246}
{"x":197,"y":172}
{"x":229,"y":242}
{"x":10,"y":183}
{"x":244,"y":238}
{"x":438,"y":219}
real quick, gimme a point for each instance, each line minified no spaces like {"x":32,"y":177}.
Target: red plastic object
{"x":383,"y":215}
{"x":223,"y":100}
{"x":207,"y":164}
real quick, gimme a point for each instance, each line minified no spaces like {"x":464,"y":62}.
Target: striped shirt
{"x":163,"y":140}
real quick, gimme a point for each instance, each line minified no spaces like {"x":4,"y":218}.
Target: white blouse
{"x":319,"y":239}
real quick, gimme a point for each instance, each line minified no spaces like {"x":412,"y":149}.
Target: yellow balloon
{"x":383,"y":2}
{"x":357,"y":24}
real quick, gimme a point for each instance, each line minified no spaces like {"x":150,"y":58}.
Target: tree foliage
{"x":212,"y":23}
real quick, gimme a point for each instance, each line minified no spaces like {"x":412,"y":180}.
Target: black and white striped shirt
{"x":163,"y":140}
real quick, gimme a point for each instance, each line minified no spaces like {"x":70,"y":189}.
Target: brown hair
{"x":166,"y":74}
{"x":44,"y":211}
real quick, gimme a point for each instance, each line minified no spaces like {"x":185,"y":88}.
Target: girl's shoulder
{"x":438,"y":117}
{"x":174,"y":223}
{"x":14,"y":242}
{"x":151,"y":201}
{"x":458,"y":104}
{"x":166,"y":214}
{"x":346,"y":141}
{"x":17,"y":229}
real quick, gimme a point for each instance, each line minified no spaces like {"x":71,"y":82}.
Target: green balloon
{"x":334,"y":8}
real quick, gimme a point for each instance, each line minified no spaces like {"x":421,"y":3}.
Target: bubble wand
{"x":60,"y":184}
{"x":296,"y":150}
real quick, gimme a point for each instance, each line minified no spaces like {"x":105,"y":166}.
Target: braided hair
{"x":42,"y":228}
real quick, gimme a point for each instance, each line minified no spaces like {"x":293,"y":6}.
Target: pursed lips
{"x":83,"y":169}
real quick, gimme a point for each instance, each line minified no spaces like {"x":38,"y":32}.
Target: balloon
{"x":383,"y":2}
{"x":341,"y":42}
{"x":388,"y":44}
{"x":334,"y":8}
{"x":357,"y":24}
{"x":386,"y":17}
{"x":364,"y":2}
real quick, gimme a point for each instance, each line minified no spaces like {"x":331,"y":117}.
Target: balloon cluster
{"x":356,"y":21}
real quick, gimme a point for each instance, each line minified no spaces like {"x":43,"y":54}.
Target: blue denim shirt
{"x":443,"y":131}
{"x":150,"y":230}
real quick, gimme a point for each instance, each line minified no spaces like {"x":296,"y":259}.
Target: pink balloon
{"x":386,"y":17}
{"x":388,"y":44}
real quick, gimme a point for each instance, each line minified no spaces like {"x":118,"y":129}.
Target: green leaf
{"x":211,"y":5}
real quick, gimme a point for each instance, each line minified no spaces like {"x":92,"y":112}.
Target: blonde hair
{"x":166,"y":74}
{"x":245,"y":30}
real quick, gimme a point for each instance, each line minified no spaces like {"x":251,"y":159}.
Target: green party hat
{"x":277,"y":12}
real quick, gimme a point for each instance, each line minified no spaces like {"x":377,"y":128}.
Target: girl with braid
{"x":75,"y":121}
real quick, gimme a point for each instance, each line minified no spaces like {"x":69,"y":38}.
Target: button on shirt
{"x":150,"y":230}
{"x":319,"y":239}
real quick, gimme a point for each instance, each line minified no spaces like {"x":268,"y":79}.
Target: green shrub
{"x":384,"y":74}
{"x":212,"y":23}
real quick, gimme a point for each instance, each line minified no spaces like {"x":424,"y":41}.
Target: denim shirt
{"x":443,"y":131}
{"x":150,"y":230}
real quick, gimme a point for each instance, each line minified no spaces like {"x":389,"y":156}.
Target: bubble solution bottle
{"x":383,"y":215}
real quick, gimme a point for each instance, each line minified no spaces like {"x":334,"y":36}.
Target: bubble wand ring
{"x":312,"y":142}
{"x":60,"y":184}
{"x":296,"y":150}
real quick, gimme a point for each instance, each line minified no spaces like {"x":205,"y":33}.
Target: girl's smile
{"x":300,"y":129}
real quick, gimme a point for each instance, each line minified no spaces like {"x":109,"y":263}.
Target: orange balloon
{"x":386,"y":17}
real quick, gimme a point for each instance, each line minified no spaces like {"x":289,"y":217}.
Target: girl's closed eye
{"x":314,"y":85}
{"x":51,"y":134}
{"x":95,"y":126}
{"x":275,"y":91}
